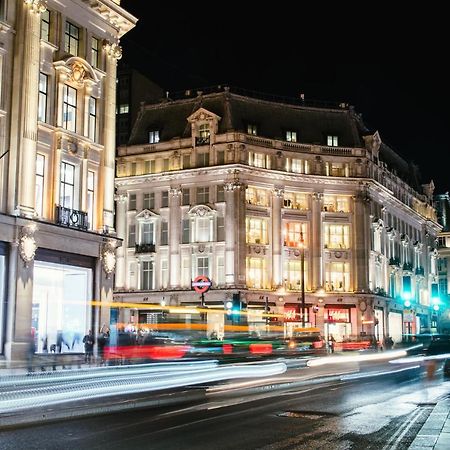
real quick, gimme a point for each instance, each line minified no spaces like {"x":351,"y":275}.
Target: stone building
{"x":241,"y":189}
{"x":57,"y":148}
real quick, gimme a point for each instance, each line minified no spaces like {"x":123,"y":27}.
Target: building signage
{"x":338,"y":315}
{"x":201,"y":284}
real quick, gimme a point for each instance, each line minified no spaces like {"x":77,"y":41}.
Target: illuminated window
{"x":92,"y":118}
{"x":150,"y":166}
{"x":293,"y":275}
{"x":337,"y":276}
{"x":257,"y":196}
{"x":67,"y":185}
{"x":40,"y":168}
{"x":90,"y":197}
{"x":71,"y":39}
{"x":336,"y":236}
{"x":292,"y":234}
{"x":336,"y":203}
{"x":252,"y":129}
{"x":45,"y":25}
{"x":295,"y":200}
{"x":94,"y":52}
{"x":291,"y":136}
{"x":42,"y":103}
{"x":147,"y":281}
{"x":69,"y":108}
{"x":153,"y":136}
{"x":124,"y":109}
{"x":203,"y":229}
{"x":337,"y":169}
{"x":259,"y":160}
{"x":147,"y":233}
{"x":332,"y":141}
{"x":256,"y":273}
{"x":256,"y":231}
{"x":203,"y":134}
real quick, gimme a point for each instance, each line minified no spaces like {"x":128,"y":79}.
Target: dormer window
{"x":153,"y":137}
{"x":203,"y":134}
{"x":332,"y":140}
{"x":291,"y":136}
{"x":252,"y":129}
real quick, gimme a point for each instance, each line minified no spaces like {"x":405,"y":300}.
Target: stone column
{"x":361,"y":241}
{"x":277,"y":246}
{"x":113,"y":53}
{"x":121,"y":222}
{"x":316,"y":241}
{"x":174,"y":236}
{"x":28,"y":38}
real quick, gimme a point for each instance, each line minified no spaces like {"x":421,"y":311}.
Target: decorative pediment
{"x":77,"y":70}
{"x":146,"y":214}
{"x":201,"y":210}
{"x":203,"y":115}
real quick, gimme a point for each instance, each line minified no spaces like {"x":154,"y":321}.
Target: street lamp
{"x":302,"y":270}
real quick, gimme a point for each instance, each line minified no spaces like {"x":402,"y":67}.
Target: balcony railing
{"x":71,"y":218}
{"x":407,"y":267}
{"x":202,"y":140}
{"x":145,"y":248}
{"x":394,"y":262}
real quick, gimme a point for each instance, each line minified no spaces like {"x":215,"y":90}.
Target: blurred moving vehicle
{"x":310,"y":344}
{"x":446,"y":368}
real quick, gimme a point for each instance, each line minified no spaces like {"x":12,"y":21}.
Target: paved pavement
{"x":435,"y":432}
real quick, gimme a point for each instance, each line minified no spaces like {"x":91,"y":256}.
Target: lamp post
{"x":302,"y":279}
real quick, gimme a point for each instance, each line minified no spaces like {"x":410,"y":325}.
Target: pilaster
{"x":277,"y":198}
{"x":174,"y":236}
{"x":316,"y":241}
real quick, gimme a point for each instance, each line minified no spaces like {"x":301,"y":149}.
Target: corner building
{"x":57,"y":155}
{"x":227,"y":185}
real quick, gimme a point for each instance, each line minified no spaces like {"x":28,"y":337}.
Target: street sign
{"x":201,"y":284}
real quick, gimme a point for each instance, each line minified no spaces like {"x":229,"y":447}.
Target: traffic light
{"x":406,"y":293}
{"x":236,"y":307}
{"x":435,"y":298}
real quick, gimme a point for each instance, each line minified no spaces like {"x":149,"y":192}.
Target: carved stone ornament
{"x":78,"y":73}
{"x":113,"y":50}
{"x":109,"y":257}
{"x":27,"y":244}
{"x":37,"y":6}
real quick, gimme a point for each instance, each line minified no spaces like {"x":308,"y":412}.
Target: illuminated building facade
{"x":57,"y":148}
{"x":226,"y":185}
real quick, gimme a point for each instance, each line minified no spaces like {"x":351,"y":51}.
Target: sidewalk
{"x":435,"y":432}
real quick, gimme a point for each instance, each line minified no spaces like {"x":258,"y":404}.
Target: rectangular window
{"x":150,"y":166}
{"x":202,"y":225}
{"x":293,"y":233}
{"x":147,"y":233}
{"x":332,"y":141}
{"x":67,"y":185}
{"x":256,"y":273}
{"x":166,"y":164}
{"x":295,"y":200}
{"x":69,"y":108}
{"x":71,"y":39}
{"x":164,"y":232}
{"x":259,"y":160}
{"x":91,"y":197}
{"x":147,"y":275}
{"x":293,"y":275}
{"x":220,"y":193}
{"x":132,"y":202}
{"x":94,"y":52}
{"x":203,"y":266}
{"x":149,"y":200}
{"x":153,"y":136}
{"x":92,"y":118}
{"x":185,"y":232}
{"x":124,"y":109}
{"x":337,"y":277}
{"x":186,"y":161}
{"x":202,"y":195}
{"x":202,"y":159}
{"x":335,"y":203}
{"x":291,"y":136}
{"x":164,"y":199}
{"x":257,"y":196}
{"x":186,"y":196}
{"x":256,"y":231}
{"x":220,"y":157}
{"x":252,"y":129}
{"x":336,"y":236}
{"x":203,"y":134}
{"x":45,"y":25}
{"x":42,"y":102}
{"x":131,"y":235}
{"x":40,"y":173}
{"x":220,"y":229}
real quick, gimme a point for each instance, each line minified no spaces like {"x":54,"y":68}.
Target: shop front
{"x":395,"y":321}
{"x":338,"y":322}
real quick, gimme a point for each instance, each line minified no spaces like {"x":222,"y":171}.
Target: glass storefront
{"x":61,"y":306}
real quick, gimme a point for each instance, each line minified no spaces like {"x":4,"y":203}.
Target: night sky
{"x":389,"y":66}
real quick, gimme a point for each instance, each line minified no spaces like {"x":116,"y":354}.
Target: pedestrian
{"x":102,"y":339}
{"x":389,"y":343}
{"x":31,"y":348}
{"x":88,"y":342}
{"x":331,"y":342}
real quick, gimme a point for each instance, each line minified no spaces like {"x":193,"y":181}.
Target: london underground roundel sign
{"x":201,"y":284}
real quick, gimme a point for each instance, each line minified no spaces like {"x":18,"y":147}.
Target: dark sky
{"x":390,"y":66}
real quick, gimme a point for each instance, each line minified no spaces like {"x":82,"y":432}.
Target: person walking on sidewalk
{"x":331,"y":343}
{"x":88,"y":342}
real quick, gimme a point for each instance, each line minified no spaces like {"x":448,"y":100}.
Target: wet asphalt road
{"x":384,"y":412}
